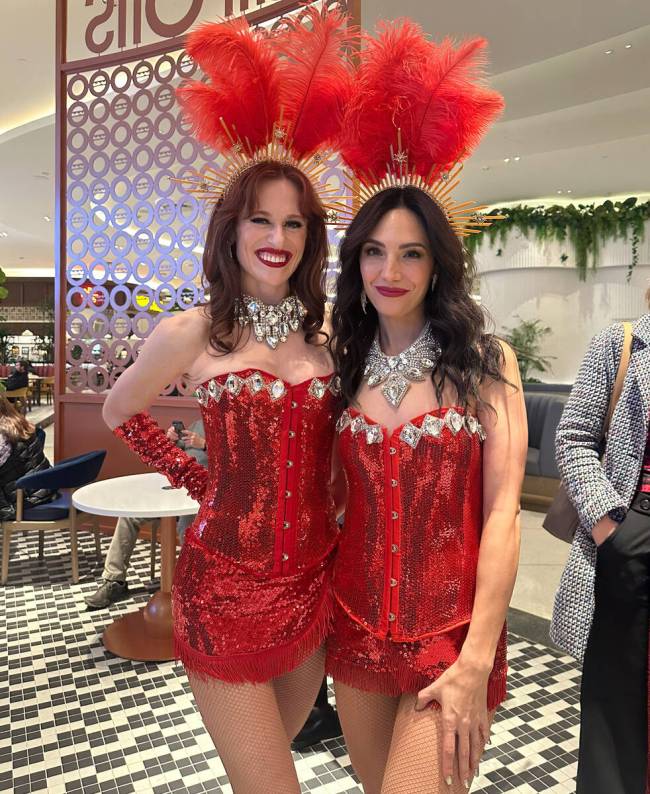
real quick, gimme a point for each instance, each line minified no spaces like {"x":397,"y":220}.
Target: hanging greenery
{"x":585,"y":226}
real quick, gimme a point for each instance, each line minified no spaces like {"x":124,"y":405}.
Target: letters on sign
{"x":112,"y":20}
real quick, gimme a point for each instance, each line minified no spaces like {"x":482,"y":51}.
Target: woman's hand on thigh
{"x":461,"y":692}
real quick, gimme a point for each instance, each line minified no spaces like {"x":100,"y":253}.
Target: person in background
{"x":601,"y":612}
{"x":19,"y":378}
{"x":322,"y":723}
{"x":114,"y":586}
{"x":21,"y":452}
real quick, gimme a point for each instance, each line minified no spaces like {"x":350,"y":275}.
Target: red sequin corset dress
{"x":405,"y":573}
{"x":252,"y":594}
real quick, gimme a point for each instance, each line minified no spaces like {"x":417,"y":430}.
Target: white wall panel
{"x":530,"y":281}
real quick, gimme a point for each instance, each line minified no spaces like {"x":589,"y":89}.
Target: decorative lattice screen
{"x":133,"y":236}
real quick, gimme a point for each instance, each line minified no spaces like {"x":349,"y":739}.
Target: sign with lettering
{"x":100,"y":27}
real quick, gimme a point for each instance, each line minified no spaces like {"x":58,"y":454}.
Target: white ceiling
{"x":578,"y":118}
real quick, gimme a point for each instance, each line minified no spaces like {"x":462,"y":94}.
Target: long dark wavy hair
{"x":223,"y":273}
{"x":469,"y":353}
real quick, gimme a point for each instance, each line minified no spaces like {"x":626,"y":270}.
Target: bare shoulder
{"x":185,"y":329}
{"x":510,"y":364}
{"x":498,"y":391}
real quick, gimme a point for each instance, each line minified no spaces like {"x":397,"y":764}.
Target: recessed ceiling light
{"x":506,"y":159}
{"x":559,"y":192}
{"x":569,"y":191}
{"x":608,"y":52}
{"x":4,"y":234}
{"x":517,"y":158}
{"x":627,"y":46}
{"x":47,"y":218}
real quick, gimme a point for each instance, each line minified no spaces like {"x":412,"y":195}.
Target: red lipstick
{"x":273,"y":257}
{"x":391,"y":292}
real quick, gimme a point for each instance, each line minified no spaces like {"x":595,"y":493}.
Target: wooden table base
{"x":146,"y":635}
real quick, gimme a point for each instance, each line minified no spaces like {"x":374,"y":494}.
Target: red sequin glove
{"x":141,"y":434}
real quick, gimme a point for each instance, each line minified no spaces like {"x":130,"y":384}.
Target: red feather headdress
{"x":417,"y":111}
{"x":277,"y":97}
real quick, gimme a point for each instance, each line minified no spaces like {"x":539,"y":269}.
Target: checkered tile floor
{"x":75,"y":719}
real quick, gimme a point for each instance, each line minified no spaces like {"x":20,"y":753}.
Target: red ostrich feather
{"x":433,"y":93}
{"x":244,"y":89}
{"x":315,"y":77}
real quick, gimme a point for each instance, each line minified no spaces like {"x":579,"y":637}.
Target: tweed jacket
{"x":597,"y":488}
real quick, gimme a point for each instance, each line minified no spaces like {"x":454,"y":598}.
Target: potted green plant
{"x":526,"y":340}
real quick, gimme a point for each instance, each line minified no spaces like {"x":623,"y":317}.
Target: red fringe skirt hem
{"x":398,"y":682}
{"x":262,"y":665}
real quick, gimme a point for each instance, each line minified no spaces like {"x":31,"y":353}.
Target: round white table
{"x":145,"y":635}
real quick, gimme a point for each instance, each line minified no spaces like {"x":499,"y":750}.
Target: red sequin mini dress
{"x":405,"y":572}
{"x":252,"y":589}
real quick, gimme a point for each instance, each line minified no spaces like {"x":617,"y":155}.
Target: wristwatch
{"x":617,"y":514}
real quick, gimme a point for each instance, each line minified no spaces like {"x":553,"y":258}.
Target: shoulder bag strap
{"x":620,"y":375}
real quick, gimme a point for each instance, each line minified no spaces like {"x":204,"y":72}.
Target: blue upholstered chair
{"x":65,"y":477}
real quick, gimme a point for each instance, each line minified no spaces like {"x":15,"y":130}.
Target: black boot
{"x":322,"y":723}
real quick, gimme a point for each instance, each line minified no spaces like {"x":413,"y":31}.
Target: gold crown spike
{"x":464,"y":217}
{"x":213,"y":184}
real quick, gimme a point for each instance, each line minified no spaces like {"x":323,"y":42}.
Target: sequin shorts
{"x":360,"y":659}
{"x":232,"y":625}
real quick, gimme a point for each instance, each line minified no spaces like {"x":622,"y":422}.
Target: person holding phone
{"x":252,"y":594}
{"x":114,"y":586}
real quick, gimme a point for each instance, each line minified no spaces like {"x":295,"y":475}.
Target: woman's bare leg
{"x":246,"y":727}
{"x":296,"y":691}
{"x":367,"y":719}
{"x":414,"y":763}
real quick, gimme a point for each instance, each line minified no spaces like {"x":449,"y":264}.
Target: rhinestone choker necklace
{"x":271,"y":324}
{"x":398,"y":372}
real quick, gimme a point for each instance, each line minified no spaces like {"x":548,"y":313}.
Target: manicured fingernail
{"x":448,"y":780}
{"x":467,"y":784}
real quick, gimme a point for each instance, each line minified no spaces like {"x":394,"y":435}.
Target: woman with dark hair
{"x":21,"y":452}
{"x":252,"y":595}
{"x":432,"y":442}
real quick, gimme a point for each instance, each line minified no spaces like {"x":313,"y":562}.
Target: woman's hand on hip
{"x":461,"y":692}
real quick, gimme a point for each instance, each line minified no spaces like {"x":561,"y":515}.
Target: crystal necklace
{"x":271,"y":324}
{"x":398,"y":372}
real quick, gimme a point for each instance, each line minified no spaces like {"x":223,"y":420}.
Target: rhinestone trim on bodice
{"x":411,"y":434}
{"x":256,"y":383}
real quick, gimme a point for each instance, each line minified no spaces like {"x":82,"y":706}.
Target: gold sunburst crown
{"x":212,"y":185}
{"x":465,"y":217}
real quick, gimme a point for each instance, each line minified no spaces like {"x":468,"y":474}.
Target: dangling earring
{"x":434,"y":278}
{"x":364,"y":302}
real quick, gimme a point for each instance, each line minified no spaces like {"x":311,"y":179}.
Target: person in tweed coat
{"x":600,"y":614}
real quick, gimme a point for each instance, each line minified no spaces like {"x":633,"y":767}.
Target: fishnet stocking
{"x":367,"y":720}
{"x":249,"y":725}
{"x":393,"y":748}
{"x":296,"y":691}
{"x":414,"y":760}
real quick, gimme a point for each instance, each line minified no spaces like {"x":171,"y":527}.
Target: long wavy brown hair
{"x":469,"y":353}
{"x":12,"y":423}
{"x":223,"y":273}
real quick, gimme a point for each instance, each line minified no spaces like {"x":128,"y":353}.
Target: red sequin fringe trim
{"x":394,"y":685}
{"x":256,"y":668}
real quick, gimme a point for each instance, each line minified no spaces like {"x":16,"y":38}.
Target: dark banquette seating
{"x":542,"y":478}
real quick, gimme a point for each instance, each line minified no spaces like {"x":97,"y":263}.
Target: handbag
{"x":562,"y":519}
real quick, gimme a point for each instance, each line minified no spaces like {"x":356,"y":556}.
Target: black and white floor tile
{"x":76,"y":719}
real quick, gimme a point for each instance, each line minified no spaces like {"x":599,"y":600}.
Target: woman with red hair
{"x":251,"y":595}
